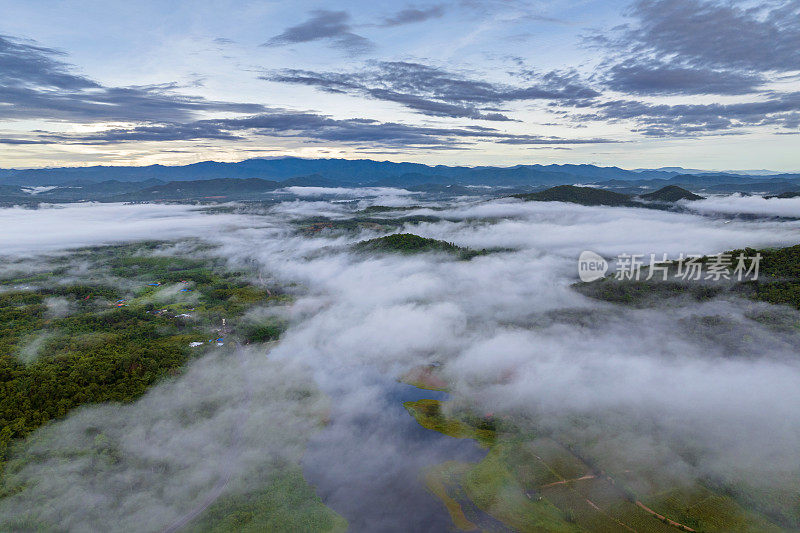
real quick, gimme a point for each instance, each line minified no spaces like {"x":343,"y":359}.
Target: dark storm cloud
{"x":413,"y":15}
{"x":435,"y":91}
{"x":780,"y":110}
{"x":639,"y":77}
{"x":35,"y":83}
{"x":333,"y":26}
{"x":320,"y":128}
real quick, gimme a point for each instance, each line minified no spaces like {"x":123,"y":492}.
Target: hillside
{"x":778,"y":283}
{"x":229,"y":187}
{"x":721,"y":184}
{"x":785,"y":195}
{"x":578,"y":195}
{"x":408,"y":243}
{"x":670,"y":193}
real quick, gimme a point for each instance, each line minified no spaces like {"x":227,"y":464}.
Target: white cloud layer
{"x":350,"y":192}
{"x":512,"y":335}
{"x":736,"y":204}
{"x":58,"y":227}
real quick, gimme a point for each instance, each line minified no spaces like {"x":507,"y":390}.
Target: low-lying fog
{"x":512,"y":335}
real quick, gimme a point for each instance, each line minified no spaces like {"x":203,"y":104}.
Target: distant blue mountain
{"x":253,"y":178}
{"x":339,"y":171}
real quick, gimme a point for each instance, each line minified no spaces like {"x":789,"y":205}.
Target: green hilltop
{"x":408,"y":243}
{"x":788,"y":194}
{"x":671,"y":193}
{"x":593,"y":196}
{"x":579,"y":195}
{"x":778,"y":282}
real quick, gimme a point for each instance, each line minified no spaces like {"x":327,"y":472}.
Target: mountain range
{"x":253,"y":177}
{"x":356,"y":171}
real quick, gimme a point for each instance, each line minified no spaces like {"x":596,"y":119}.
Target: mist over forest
{"x":327,"y":336}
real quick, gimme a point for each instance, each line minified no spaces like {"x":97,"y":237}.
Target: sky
{"x":698,"y":83}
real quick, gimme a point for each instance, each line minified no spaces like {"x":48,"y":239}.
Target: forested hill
{"x":594,"y":196}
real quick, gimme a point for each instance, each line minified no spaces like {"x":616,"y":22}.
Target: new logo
{"x":591,"y":266}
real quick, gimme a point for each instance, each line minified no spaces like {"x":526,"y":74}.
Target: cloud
{"x":514,"y":338}
{"x":333,"y":26}
{"x":24,"y":62}
{"x":155,"y":132}
{"x":509,"y":332}
{"x":737,"y":204}
{"x":353,"y":192}
{"x":660,"y":120}
{"x":435,"y":91}
{"x":522,"y":139}
{"x":433,"y":107}
{"x":413,"y":15}
{"x":654,"y":78}
{"x":35,"y":83}
{"x":693,"y":47}
{"x":566,"y":230}
{"x":211,"y":432}
{"x":313,"y":126}
{"x":717,"y":35}
{"x":7,"y":140}
{"x":72,"y":225}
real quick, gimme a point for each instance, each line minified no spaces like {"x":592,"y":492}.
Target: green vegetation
{"x":779,"y":277}
{"x":788,"y":194}
{"x":493,"y":487}
{"x":115,"y":336}
{"x":704,"y":510}
{"x":778,"y":263}
{"x":322,"y":225}
{"x":534,"y":482}
{"x":408,"y":243}
{"x":670,"y":193}
{"x":286,"y":503}
{"x":428,"y":414}
{"x":595,"y":196}
{"x":264,"y":331}
{"x":111,"y":355}
{"x":126,"y":325}
{"x":387,"y":209}
{"x":489,"y":485}
{"x":645,"y":293}
{"x":443,"y":479}
{"x":579,"y":195}
{"x":778,"y":282}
